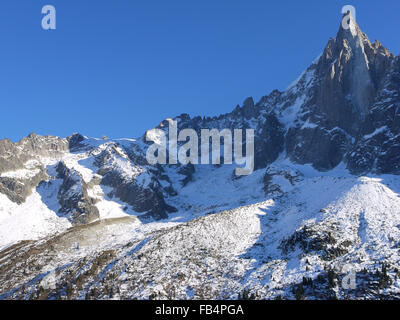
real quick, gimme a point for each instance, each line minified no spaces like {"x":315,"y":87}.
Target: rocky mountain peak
{"x":349,"y":73}
{"x":347,"y":94}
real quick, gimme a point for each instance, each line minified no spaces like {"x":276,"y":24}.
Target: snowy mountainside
{"x":267,"y":248}
{"x":87,"y":218}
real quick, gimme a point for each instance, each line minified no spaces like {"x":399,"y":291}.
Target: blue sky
{"x":119,"y":67}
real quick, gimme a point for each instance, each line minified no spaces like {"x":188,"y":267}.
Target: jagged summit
{"x":357,"y":64}
{"x":333,"y":105}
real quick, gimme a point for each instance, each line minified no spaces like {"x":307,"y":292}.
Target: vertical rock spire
{"x":350,"y":70}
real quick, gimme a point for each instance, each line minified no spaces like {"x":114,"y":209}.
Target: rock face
{"x":132,"y":183}
{"x":13,"y":156}
{"x":17,"y":189}
{"x":348,"y":95}
{"x":23,"y":158}
{"x":73,"y":197}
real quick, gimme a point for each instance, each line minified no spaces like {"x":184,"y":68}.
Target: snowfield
{"x":30,"y":221}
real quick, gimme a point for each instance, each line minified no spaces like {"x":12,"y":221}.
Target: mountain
{"x":86,"y":218}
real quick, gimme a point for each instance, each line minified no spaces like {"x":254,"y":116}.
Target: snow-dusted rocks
{"x":73,"y":197}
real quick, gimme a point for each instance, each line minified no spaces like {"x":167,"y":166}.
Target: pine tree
{"x":300,"y":292}
{"x":331,"y":278}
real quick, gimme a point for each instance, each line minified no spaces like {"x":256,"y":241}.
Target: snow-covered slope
{"x":313,"y":231}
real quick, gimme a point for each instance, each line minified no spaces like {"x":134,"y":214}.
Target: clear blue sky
{"x":119,"y":67}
